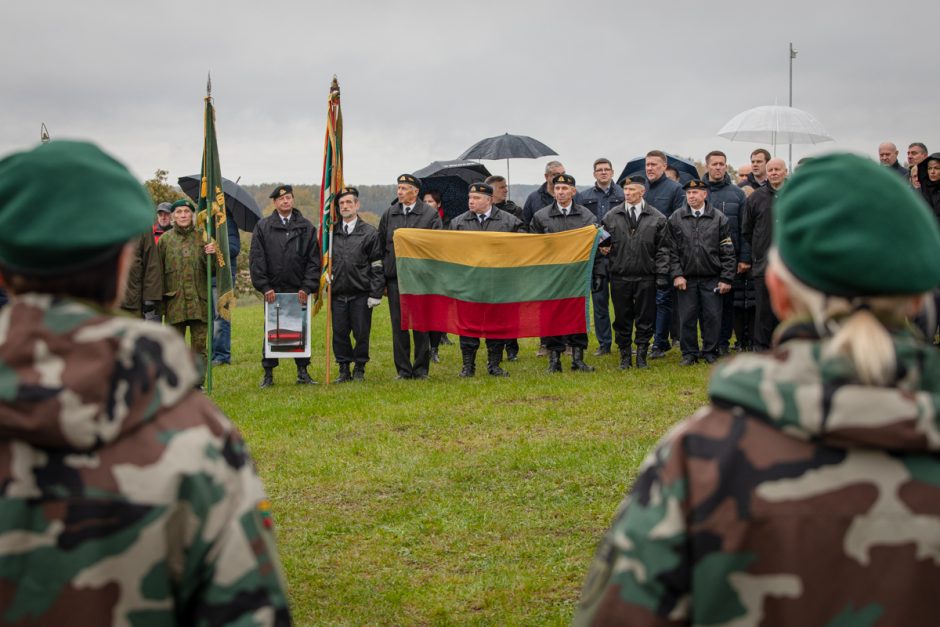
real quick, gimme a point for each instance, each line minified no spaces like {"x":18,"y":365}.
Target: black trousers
{"x":351,"y":315}
{"x":634,"y":306}
{"x":765,"y":321}
{"x":271,"y":362}
{"x":727,"y":319}
{"x":512,"y":346}
{"x":560,"y":342}
{"x":473,"y":344}
{"x":699,"y":305}
{"x":743,"y":327}
{"x":401,"y":340}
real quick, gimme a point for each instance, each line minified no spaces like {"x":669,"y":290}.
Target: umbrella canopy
{"x":775,"y":125}
{"x":507,"y":146}
{"x":238,"y":202}
{"x":451,"y":179}
{"x":686,"y":169}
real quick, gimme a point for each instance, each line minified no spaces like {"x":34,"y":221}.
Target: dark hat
{"x":165,"y":207}
{"x":407,"y":179}
{"x":563,"y":179}
{"x":346,"y":191}
{"x":67,"y":187}
{"x":281,"y":191}
{"x":481,"y":188}
{"x":695,"y":184}
{"x":635,"y":179}
{"x":183,"y":202}
{"x":847,"y":226}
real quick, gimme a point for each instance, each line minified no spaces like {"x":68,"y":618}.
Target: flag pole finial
{"x":44,"y":134}
{"x":209,"y":85}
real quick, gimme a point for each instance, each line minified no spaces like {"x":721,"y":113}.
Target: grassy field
{"x":445,"y":501}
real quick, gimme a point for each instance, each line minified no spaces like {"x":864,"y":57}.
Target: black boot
{"x":359,"y":372}
{"x":344,"y":374}
{"x":469,"y":363}
{"x":626,"y":359}
{"x":554,"y":361}
{"x":434,"y":356}
{"x":641,"y":356}
{"x":303,"y":378}
{"x":577,"y":361}
{"x":268,"y":379}
{"x":493,"y":357}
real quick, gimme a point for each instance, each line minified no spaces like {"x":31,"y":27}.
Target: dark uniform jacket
{"x":422,"y":216}
{"x":285,"y":258}
{"x":600,"y":202}
{"x":509,"y":207}
{"x":752,"y":182}
{"x":499,"y":221}
{"x":551,"y":220}
{"x":639,"y":254}
{"x":930,"y":191}
{"x":757,"y":229}
{"x":145,"y":276}
{"x":357,"y":261}
{"x":702,"y":246}
{"x":665,"y":194}
{"x":535,"y":201}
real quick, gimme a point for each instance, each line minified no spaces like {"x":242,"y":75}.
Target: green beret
{"x":184,"y":202}
{"x":66,"y":204}
{"x":848,"y":227}
{"x":481,"y":188}
{"x":346,"y":191}
{"x":563,"y":179}
{"x":407,"y":179}
{"x":695,"y":184}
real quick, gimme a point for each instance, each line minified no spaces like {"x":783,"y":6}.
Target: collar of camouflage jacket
{"x":73,"y":377}
{"x":812,"y":398}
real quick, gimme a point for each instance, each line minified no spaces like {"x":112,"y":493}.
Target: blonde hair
{"x":858,"y":327}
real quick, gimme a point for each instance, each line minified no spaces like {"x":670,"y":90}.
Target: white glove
{"x":373,"y":302}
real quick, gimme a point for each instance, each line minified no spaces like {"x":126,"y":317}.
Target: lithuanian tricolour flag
{"x":495,"y":285}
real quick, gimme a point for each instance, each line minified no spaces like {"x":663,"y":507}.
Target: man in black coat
{"x":408,"y":212}
{"x":756,"y":233}
{"x":483,"y":216}
{"x":285,"y":258}
{"x":357,"y":285}
{"x":544,"y":195}
{"x":502,"y":202}
{"x":564,"y":215}
{"x":638,"y":261}
{"x":703,"y":266}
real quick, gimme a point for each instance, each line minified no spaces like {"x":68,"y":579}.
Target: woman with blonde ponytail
{"x":808,"y":491}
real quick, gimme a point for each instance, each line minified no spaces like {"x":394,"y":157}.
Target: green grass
{"x":445,"y":501}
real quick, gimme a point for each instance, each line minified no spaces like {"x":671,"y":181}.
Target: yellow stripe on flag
{"x":496,"y":250}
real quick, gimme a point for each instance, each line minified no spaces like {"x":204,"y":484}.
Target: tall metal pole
{"x":792,"y":56}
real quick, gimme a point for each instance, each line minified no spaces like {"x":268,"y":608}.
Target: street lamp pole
{"x":792,"y":56}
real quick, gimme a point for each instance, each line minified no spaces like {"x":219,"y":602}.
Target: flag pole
{"x":330,"y":184}
{"x":210,"y":325}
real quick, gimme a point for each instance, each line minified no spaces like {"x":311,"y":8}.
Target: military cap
{"x":635,"y":179}
{"x":184,"y":202}
{"x":408,"y":179}
{"x":346,"y":191}
{"x":695,"y":184}
{"x":481,"y":188}
{"x":67,"y":187}
{"x":848,"y":227}
{"x":281,"y":190}
{"x":164,"y":207}
{"x":563,"y":179}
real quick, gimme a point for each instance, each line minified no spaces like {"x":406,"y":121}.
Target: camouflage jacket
{"x":184,"y":275}
{"x":799,"y":497}
{"x":126,"y":497}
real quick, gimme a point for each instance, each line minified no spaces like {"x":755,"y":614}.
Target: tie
{"x":698,"y":214}
{"x":348,"y":228}
{"x":482,"y":218}
{"x":632,"y":214}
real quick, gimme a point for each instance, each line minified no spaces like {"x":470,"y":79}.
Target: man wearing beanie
{"x":128,"y":497}
{"x":806,"y":492}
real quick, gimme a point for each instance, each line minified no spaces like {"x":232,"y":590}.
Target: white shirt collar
{"x":351,"y":225}
{"x":566,"y":210}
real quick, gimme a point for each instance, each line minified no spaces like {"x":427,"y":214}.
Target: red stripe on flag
{"x":544,"y":318}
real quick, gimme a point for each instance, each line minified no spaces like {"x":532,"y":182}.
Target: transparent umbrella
{"x":774,"y":124}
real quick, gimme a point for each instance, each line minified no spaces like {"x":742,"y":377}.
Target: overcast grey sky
{"x":424,"y":80}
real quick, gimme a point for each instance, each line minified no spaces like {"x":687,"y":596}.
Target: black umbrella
{"x":451,"y":179}
{"x":686,"y":169}
{"x":507,"y":147}
{"x":238,"y":202}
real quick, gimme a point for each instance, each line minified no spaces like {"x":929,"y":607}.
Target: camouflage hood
{"x":73,"y":377}
{"x":798,"y":392}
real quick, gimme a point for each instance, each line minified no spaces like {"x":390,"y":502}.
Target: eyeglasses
{"x":603,"y":169}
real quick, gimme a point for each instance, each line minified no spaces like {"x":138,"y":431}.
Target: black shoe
{"x":359,"y":372}
{"x":657,"y":353}
{"x":446,"y":340}
{"x":602,"y":350}
{"x":303,"y":378}
{"x":434,"y":356}
{"x":626,"y":359}
{"x":577,"y":361}
{"x":688,"y":360}
{"x":554,"y":361}
{"x":512,"y":355}
{"x":709,"y":358}
{"x":402,"y":376}
{"x":542,"y":351}
{"x":469,"y":363}
{"x":641,"y":357}
{"x":268,"y":379}
{"x":492,"y":364}
{"x":421,"y":376}
{"x":344,"y":374}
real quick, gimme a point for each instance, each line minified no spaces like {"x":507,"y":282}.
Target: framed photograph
{"x":286,"y":327}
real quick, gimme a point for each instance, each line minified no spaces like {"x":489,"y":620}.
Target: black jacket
{"x":757,"y":229}
{"x":499,"y":221}
{"x":550,"y":219}
{"x":643,"y":253}
{"x":600,"y":202}
{"x":752,"y":182}
{"x":702,"y":246}
{"x":930,"y":191}
{"x":536,"y":200}
{"x":422,"y":216}
{"x":665,"y":194}
{"x":510,"y":207}
{"x":357,"y":261}
{"x":285,"y":258}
